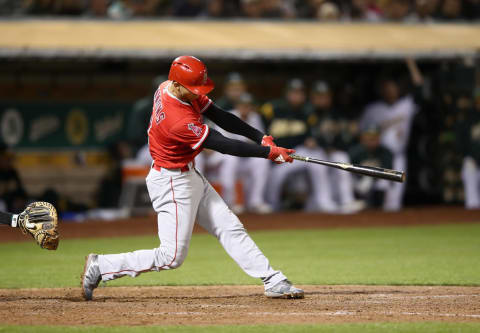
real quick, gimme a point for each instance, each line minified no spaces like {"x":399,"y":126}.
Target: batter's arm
{"x":216,"y":141}
{"x":231,"y":123}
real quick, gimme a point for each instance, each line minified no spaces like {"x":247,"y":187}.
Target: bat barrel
{"x":394,"y":175}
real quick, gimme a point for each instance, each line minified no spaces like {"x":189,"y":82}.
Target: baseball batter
{"x":180,"y":194}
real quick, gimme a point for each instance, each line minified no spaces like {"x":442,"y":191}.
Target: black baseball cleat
{"x":284,"y":289}
{"x":91,"y":276}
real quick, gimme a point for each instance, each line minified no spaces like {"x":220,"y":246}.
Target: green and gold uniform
{"x":286,"y":124}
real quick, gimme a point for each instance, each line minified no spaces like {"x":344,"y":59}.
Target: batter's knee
{"x":171,"y":258}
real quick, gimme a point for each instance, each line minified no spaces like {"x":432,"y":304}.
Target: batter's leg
{"x":175,"y":197}
{"x":215,"y":217}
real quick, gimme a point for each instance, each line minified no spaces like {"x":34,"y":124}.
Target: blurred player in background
{"x":208,"y":161}
{"x":253,"y":171}
{"x":370,"y":152}
{"x":468,"y":134}
{"x":287,"y":122}
{"x":235,"y":87}
{"x":393,"y":114}
{"x":332,"y":134}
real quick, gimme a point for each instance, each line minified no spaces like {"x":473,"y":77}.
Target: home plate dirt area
{"x":210,"y":305}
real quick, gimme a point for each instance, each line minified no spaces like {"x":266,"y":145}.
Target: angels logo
{"x":195,"y":129}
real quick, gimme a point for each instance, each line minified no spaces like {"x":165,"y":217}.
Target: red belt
{"x":185,"y":168}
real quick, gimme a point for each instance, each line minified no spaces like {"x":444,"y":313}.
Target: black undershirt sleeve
{"x":216,"y":141}
{"x":231,"y":123}
{"x":6,"y":218}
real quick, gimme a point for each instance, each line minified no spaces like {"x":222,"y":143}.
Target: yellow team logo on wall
{"x":76,"y":126}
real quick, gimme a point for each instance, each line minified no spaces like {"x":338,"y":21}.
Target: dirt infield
{"x":238,"y":305}
{"x":278,"y":221}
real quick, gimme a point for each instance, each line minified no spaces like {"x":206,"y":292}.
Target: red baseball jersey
{"x":176,"y":130}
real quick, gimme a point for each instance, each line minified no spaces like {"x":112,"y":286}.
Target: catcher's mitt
{"x":40,"y":220}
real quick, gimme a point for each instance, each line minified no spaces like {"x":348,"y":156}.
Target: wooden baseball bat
{"x":397,"y":176}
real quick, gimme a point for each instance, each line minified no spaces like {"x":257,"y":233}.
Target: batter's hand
{"x":280,"y":155}
{"x":267,"y":141}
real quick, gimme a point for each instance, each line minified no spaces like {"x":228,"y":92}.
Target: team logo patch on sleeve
{"x":195,"y":129}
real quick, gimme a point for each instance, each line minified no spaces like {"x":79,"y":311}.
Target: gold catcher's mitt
{"x":40,"y":220}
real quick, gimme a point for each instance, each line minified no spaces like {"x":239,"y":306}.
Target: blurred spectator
{"x":119,"y":10}
{"x":323,"y":10}
{"x":252,"y":8}
{"x":235,"y":87}
{"x":221,"y":9}
{"x":9,"y":7}
{"x":188,"y":8}
{"x":451,"y":10}
{"x":393,"y":114}
{"x":267,"y":9}
{"x":146,"y":7}
{"x":424,"y":11}
{"x":364,"y":10}
{"x":397,"y":10}
{"x":277,"y":9}
{"x":370,"y":152}
{"x":287,"y":123}
{"x":13,"y":197}
{"x":328,"y":11}
{"x":468,"y":134}
{"x":124,"y":9}
{"x":98,"y":7}
{"x":331,"y":135}
{"x":471,"y":8}
{"x":54,"y":7}
{"x":253,"y":171}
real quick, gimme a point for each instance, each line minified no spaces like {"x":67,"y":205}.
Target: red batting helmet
{"x":191,"y":73}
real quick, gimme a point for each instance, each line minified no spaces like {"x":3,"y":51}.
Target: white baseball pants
{"x":256,"y":169}
{"x":471,"y":182}
{"x":341,"y":181}
{"x":326,"y":182}
{"x":394,"y":194}
{"x":179,"y":198}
